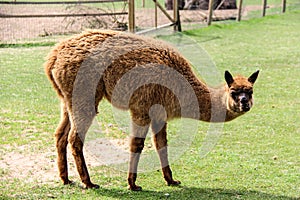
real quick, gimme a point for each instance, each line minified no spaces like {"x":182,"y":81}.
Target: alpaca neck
{"x":213,"y":104}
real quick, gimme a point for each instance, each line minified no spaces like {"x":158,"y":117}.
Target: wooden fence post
{"x":283,"y":5}
{"x":264,"y":7}
{"x":131,"y":16}
{"x":175,"y":14}
{"x":210,"y":11}
{"x":177,"y":26}
{"x":239,"y":17}
{"x":155,"y":14}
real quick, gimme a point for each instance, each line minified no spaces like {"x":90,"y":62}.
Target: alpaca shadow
{"x":190,"y":193}
{"x":201,"y":37}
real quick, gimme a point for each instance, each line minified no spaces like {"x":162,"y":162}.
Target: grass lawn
{"x":257,"y":156}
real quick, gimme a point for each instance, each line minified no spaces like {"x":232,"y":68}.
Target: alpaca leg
{"x":61,"y":136}
{"x":159,"y":129}
{"x":77,"y":151}
{"x":79,"y":127}
{"x":136,"y":146}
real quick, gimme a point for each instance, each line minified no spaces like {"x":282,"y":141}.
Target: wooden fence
{"x":33,"y":20}
{"x":130,"y":12}
{"x":240,"y":7}
{"x":174,"y":20}
{"x":56,"y":3}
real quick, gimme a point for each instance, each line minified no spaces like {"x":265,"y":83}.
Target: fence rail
{"x":58,"y":2}
{"x":63,"y":15}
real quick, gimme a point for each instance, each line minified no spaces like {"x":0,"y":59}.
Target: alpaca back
{"x":131,"y":71}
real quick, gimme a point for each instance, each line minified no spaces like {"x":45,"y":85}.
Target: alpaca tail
{"x":48,"y":66}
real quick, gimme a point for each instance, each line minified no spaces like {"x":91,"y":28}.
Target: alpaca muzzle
{"x":245,"y":107}
{"x":245,"y":102}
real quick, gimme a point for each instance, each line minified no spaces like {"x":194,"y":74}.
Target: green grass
{"x":257,"y":157}
{"x":29,"y":44}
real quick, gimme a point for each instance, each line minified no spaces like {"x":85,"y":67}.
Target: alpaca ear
{"x":228,"y":78}
{"x":253,"y":77}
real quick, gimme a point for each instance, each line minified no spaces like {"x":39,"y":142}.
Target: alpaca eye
{"x":249,"y":93}
{"x":233,"y":94}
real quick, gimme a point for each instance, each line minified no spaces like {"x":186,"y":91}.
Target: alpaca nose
{"x":244,"y":100}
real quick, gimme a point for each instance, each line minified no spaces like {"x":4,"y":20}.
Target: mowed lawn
{"x":256,"y":157}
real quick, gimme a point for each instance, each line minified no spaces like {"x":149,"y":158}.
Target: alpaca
{"x":145,"y":76}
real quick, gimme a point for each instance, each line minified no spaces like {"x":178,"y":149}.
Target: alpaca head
{"x":240,"y":89}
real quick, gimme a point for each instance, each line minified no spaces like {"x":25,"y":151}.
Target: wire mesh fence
{"x":41,"y":20}
{"x":146,"y":17}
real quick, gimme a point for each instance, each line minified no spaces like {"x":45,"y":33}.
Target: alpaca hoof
{"x":92,"y":186}
{"x":68,"y":182}
{"x":174,"y":183}
{"x":135,"y":188}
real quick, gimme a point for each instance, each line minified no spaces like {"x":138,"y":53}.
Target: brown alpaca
{"x":139,"y":74}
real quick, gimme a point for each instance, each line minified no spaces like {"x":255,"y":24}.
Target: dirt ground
{"x":41,"y":167}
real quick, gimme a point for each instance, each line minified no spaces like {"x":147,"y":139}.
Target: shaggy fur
{"x":139,"y":74}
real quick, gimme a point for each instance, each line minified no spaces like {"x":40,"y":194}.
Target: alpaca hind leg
{"x":61,"y":136}
{"x":79,"y":127}
{"x":160,"y":140}
{"x":77,"y":151}
{"x":136,"y":146}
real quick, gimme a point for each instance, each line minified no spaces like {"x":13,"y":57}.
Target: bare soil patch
{"x":41,"y":167}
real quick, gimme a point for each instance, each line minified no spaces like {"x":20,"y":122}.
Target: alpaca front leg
{"x":160,"y":140}
{"x":168,"y":176}
{"x":136,"y":147}
{"x":137,"y":141}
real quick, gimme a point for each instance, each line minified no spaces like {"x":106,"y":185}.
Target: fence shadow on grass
{"x":190,"y":193}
